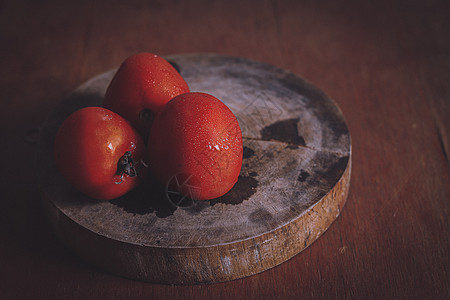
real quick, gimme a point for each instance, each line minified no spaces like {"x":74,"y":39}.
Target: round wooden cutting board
{"x":293,"y":184}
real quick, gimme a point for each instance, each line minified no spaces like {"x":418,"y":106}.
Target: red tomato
{"x":99,"y":153}
{"x":195,"y":146}
{"x":144,"y":83}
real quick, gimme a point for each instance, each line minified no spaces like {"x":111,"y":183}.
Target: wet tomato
{"x":99,"y":153}
{"x":195,"y":146}
{"x":143,"y":84}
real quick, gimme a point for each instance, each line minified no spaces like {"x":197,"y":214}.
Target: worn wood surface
{"x":293,"y":183}
{"x":386,"y":65}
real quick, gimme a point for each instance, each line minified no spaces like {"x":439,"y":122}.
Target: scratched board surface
{"x":296,"y":151}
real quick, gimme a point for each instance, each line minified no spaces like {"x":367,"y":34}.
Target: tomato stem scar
{"x":146,"y":115}
{"x":126,"y":165}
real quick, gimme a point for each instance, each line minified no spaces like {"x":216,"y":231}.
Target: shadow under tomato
{"x":148,"y":197}
{"x":151,"y":197}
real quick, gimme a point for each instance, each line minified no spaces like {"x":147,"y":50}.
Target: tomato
{"x":99,"y":153}
{"x":195,"y":146}
{"x":141,"y":87}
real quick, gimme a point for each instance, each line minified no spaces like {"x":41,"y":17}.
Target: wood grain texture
{"x":293,"y":183}
{"x":386,"y":65}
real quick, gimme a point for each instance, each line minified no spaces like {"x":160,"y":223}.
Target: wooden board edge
{"x":205,"y":264}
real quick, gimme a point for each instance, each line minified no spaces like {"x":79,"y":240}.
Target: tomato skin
{"x":141,"y":87}
{"x":197,"y":138}
{"x":87,"y":148}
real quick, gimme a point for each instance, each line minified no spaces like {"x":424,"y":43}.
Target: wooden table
{"x":385,"y":63}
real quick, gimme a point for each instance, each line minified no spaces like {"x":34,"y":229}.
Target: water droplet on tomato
{"x":110,"y":146}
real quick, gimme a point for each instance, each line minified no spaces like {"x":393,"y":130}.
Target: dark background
{"x":386,"y":64}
